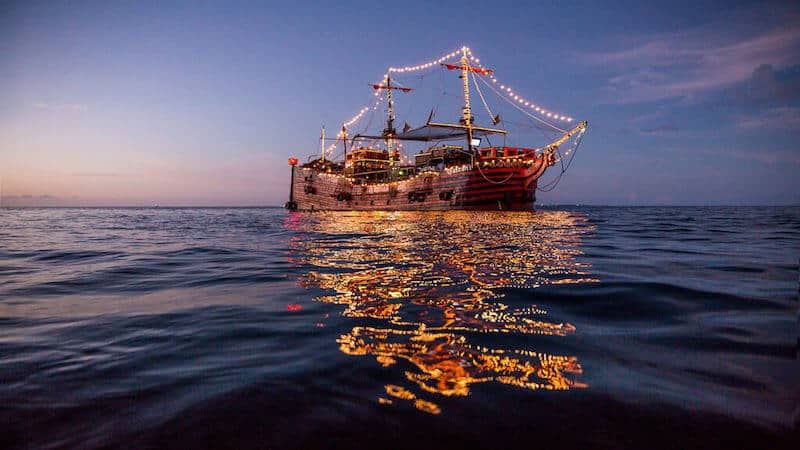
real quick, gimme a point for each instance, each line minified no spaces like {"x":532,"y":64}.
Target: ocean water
{"x":580,"y":327}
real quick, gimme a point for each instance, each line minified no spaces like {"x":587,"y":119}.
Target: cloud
{"x":96,"y":174}
{"x":32,"y":200}
{"x":765,"y":155}
{"x":693,"y":62}
{"x":769,"y":86}
{"x":784,"y":117}
{"x":769,"y":156}
{"x":660,"y":130}
{"x":60,"y":106}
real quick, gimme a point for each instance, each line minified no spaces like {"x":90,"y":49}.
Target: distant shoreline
{"x":558,"y":205}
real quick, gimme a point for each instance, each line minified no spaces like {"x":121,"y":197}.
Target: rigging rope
{"x":492,"y":181}
{"x":478,"y":88}
{"x":520,"y":109}
{"x":552,"y":184}
{"x":574,"y":145}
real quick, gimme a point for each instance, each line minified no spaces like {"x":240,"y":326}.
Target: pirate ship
{"x":452,"y":170}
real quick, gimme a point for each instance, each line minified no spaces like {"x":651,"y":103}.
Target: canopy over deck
{"x":437,"y":132}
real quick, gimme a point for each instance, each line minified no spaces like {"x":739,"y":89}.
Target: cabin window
{"x":488,"y":153}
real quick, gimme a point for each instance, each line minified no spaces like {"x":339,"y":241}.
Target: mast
{"x":344,"y":142}
{"x":390,"y":121}
{"x":389,"y":132}
{"x":567,"y":135}
{"x":322,"y":143}
{"x":467,"y":119}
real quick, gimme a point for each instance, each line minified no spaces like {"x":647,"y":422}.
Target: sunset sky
{"x":201,"y":103}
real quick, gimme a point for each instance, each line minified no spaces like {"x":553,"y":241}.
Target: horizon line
{"x":641,"y":205}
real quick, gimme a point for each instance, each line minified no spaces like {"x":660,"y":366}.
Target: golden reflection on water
{"x":424,"y":285}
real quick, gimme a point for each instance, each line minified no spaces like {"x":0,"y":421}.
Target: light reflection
{"x":435,"y":282}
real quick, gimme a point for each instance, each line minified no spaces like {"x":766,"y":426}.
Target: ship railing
{"x":506,"y":153}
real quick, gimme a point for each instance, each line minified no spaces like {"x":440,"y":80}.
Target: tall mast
{"x":389,"y":122}
{"x":389,"y":132}
{"x":467,"y":119}
{"x":322,"y":143}
{"x":344,"y":142}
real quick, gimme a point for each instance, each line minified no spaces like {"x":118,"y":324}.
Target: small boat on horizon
{"x":452,"y":171}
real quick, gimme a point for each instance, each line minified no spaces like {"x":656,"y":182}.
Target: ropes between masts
{"x":520,"y":109}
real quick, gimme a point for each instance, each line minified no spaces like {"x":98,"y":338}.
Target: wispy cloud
{"x":768,"y":86}
{"x":660,"y":130}
{"x":60,"y":106}
{"x":768,"y":156}
{"x":96,"y":174}
{"x":765,"y":154}
{"x":785,"y":117}
{"x":696,"y":61}
{"x":32,"y":200}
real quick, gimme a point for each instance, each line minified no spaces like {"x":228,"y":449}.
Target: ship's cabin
{"x":377,"y":165}
{"x":439,"y":157}
{"x":370,"y":164}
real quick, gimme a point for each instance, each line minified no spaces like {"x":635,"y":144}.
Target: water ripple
{"x":586,"y":327}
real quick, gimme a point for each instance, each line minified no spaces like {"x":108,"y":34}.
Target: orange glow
{"x":426,"y":406}
{"x":292,"y":161}
{"x":436,"y":282}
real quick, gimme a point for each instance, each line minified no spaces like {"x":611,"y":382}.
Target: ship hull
{"x":510,"y":188}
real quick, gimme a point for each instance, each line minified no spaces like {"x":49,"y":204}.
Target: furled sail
{"x":438,"y":132}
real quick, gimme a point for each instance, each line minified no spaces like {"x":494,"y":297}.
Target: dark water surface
{"x":255,"y":328}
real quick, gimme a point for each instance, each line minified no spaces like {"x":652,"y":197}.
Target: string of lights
{"x":511,"y":94}
{"x":353,"y":120}
{"x":507,"y":92}
{"x":433,"y":63}
{"x":427,"y":65}
{"x":575,"y":143}
{"x":520,"y":109}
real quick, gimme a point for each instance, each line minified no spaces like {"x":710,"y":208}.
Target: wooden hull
{"x":496,"y":187}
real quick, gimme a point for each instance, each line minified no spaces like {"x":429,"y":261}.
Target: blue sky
{"x":200,"y":103}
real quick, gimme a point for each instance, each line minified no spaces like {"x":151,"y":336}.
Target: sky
{"x":201,"y":103}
